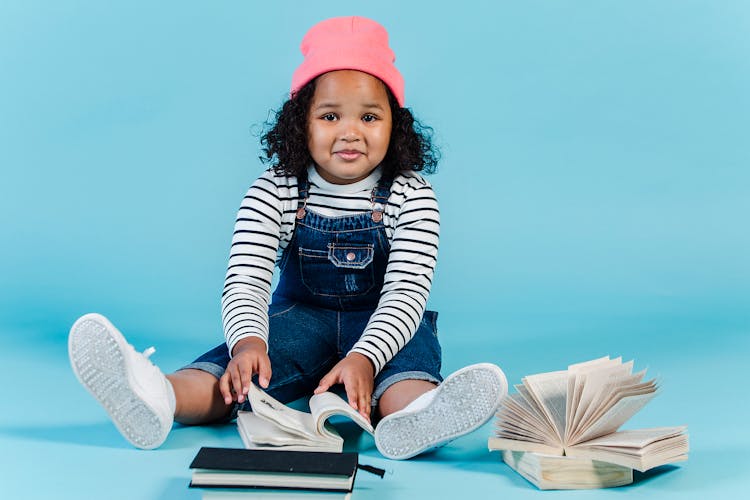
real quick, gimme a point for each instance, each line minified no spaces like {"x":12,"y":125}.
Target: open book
{"x":577,"y":413}
{"x":273,"y":425}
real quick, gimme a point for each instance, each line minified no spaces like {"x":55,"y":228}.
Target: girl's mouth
{"x":348,"y":155}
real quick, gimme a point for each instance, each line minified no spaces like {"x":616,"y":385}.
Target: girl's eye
{"x":369,"y":118}
{"x":329,"y":117}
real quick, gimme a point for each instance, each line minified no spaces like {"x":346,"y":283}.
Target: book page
{"x":596,"y":386}
{"x":514,"y":427}
{"x":613,"y":380}
{"x":511,"y":431}
{"x":617,"y":415}
{"x":497,"y":443}
{"x":262,"y":431}
{"x":550,"y":391}
{"x":516,"y":411}
{"x":611,"y":394}
{"x":526,"y":399}
{"x":585,"y":366}
{"x":327,"y":404}
{"x":638,"y":438}
{"x":575,"y":387}
{"x":597,"y":398}
{"x":257,"y":432}
{"x":578,"y":373}
{"x":291,"y":420}
{"x":640,"y":449}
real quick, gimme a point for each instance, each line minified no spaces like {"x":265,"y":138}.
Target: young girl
{"x":353,"y":229}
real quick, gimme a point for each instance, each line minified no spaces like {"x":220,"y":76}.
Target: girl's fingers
{"x":237,"y":384}
{"x":353,"y":394}
{"x":264,"y":372}
{"x":364,"y":404}
{"x":326,"y":382}
{"x":224,"y":388}
{"x":246,"y":374}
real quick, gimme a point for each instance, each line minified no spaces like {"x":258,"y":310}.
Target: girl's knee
{"x":197,"y":397}
{"x":399,"y":395}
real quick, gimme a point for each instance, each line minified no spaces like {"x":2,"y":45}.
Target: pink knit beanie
{"x":348,"y":43}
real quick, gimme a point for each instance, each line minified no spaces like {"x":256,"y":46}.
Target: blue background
{"x":594,"y":193}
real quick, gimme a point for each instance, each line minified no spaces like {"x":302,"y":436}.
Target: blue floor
{"x":594,"y":194}
{"x":57,"y":443}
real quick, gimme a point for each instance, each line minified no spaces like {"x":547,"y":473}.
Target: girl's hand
{"x":357,"y":374}
{"x":249,"y":357}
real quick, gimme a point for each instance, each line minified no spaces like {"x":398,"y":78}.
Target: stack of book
{"x":226,"y":473}
{"x":560,"y":430}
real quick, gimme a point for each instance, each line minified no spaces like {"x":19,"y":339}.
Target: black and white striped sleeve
{"x":255,"y":243}
{"x":408,"y":278}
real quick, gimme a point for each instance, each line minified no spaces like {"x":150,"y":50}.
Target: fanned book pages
{"x":577,"y":413}
{"x":273,"y":425}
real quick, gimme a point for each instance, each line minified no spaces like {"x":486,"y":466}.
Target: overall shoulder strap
{"x":380,"y":196}
{"x":303,"y":188}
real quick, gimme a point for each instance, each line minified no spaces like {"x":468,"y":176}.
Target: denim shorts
{"x":305,"y":343}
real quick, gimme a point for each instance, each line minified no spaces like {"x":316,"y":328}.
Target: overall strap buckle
{"x":302,"y":188}
{"x":379,"y":198}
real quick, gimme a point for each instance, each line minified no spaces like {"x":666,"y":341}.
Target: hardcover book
{"x":228,"y":468}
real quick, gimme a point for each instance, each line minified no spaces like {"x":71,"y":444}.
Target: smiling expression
{"x":349,"y":125}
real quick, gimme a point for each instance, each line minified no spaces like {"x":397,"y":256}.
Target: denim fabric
{"x":336,"y":262}
{"x":331,"y":276}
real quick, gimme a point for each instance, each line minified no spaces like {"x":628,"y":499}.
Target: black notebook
{"x":242,"y":468}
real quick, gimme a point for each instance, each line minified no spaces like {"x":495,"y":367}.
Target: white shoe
{"x":136,"y":394}
{"x":466,"y":400}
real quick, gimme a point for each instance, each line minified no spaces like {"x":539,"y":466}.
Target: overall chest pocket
{"x":343,"y":270}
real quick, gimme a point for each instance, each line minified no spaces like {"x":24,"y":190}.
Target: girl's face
{"x":349,"y":125}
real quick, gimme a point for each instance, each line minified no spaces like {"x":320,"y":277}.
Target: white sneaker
{"x":465,"y":401}
{"x":136,"y":394}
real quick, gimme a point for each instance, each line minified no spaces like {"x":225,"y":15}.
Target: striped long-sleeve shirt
{"x":264,"y":227}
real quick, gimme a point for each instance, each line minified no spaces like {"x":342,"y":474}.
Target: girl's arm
{"x":408,"y":278}
{"x":255,"y":243}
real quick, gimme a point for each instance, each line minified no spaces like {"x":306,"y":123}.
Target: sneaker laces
{"x":143,"y":362}
{"x":146,"y":362}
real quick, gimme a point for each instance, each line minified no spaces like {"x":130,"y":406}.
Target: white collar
{"x":365,"y":184}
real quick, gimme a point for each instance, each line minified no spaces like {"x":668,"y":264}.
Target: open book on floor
{"x":273,"y":425}
{"x":577,"y":413}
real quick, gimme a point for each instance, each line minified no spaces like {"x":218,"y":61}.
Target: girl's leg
{"x":419,"y":410}
{"x":143,"y":403}
{"x":398,"y":396}
{"x":197,"y":397}
{"x":463,"y":402}
{"x":415,"y":370}
{"x":135,"y":393}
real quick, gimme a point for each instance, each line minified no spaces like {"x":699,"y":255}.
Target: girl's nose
{"x":350,"y":137}
{"x":350,"y":132}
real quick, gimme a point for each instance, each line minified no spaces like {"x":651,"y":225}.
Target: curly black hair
{"x":285,"y":139}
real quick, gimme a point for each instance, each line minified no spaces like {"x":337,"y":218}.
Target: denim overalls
{"x":331,"y":276}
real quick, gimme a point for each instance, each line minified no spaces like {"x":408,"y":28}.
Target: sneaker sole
{"x":96,"y":351}
{"x":465,"y":401}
